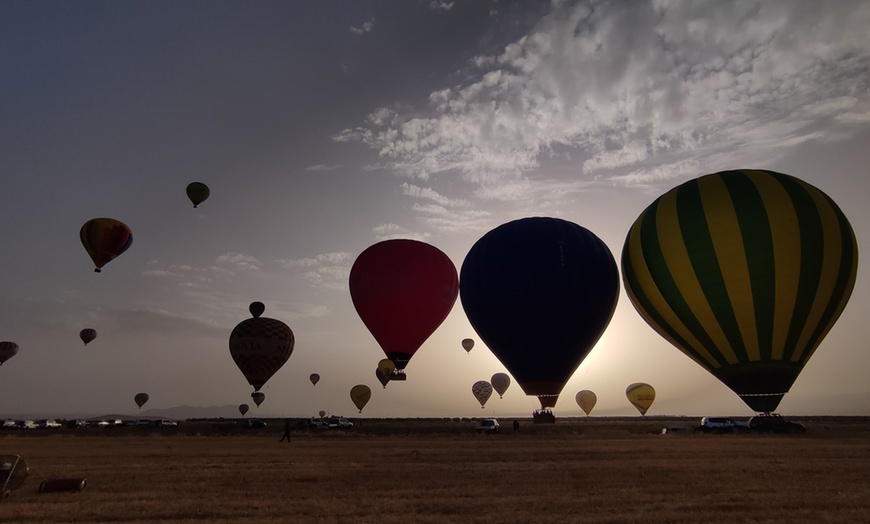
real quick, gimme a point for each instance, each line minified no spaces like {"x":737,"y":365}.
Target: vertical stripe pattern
{"x":745,"y":272}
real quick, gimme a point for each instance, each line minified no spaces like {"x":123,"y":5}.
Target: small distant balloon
{"x":314,"y":378}
{"x":105,"y":239}
{"x":197,"y":192}
{"x":141,"y":399}
{"x":500,"y":383}
{"x":467,"y":344}
{"x":481,"y":390}
{"x":257,"y":309}
{"x":321,"y":413}
{"x":258,"y":397}
{"x":360,"y":395}
{"x":243,"y":408}
{"x":385,"y":370}
{"x":586,"y":400}
{"x":87,"y":335}
{"x":7,"y":351}
{"x":641,"y":396}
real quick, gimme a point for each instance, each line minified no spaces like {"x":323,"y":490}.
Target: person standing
{"x":286,"y":434}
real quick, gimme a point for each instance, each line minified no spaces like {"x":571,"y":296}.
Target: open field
{"x":603,"y":470}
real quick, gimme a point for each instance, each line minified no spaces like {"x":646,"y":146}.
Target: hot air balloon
{"x":314,"y":378}
{"x":87,"y":335}
{"x":243,"y":408}
{"x":402,"y":290}
{"x":745,"y":272}
{"x":539,"y":292}
{"x":481,"y":390}
{"x":7,"y":351}
{"x":258,"y":397}
{"x":322,"y":413}
{"x":105,"y":239}
{"x":467,"y":344}
{"x":385,"y":371}
{"x":197,"y":192}
{"x":140,"y":399}
{"x":586,"y":400}
{"x":260,"y":346}
{"x":257,"y":309}
{"x":641,"y":396}
{"x":500,"y":383}
{"x":360,"y":395}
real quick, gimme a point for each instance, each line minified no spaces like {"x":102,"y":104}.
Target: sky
{"x":325,"y":127}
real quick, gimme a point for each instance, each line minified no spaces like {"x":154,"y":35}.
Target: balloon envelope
{"x":243,"y":408}
{"x":467,"y":344}
{"x":402,"y":290}
{"x":314,"y":378}
{"x":500,"y":383}
{"x":745,"y":272}
{"x":258,"y":397}
{"x":641,"y":396}
{"x":586,"y":400}
{"x":7,"y":351}
{"x":260,"y":346}
{"x":385,"y":370}
{"x":322,"y":413}
{"x":360,"y":395}
{"x":140,"y":399}
{"x":87,"y":335}
{"x":481,"y":390}
{"x":197,"y":192}
{"x":105,"y":239}
{"x":256,"y":309}
{"x":539,"y":292}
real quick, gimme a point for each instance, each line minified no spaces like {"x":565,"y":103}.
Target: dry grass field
{"x":442,"y":472}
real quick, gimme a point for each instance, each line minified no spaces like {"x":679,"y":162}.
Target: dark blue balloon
{"x":539,"y":292}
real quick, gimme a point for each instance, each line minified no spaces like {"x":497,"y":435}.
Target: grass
{"x":382,"y":472}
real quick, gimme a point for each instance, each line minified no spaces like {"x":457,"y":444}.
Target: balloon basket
{"x":66,"y":484}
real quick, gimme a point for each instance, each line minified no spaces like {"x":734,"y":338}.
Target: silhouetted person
{"x":286,"y":434}
{"x":516,"y":426}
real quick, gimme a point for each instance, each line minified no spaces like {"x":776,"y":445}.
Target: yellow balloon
{"x":360,"y":395}
{"x":586,"y":400}
{"x":641,"y":396}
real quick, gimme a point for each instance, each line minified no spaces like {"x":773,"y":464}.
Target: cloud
{"x":628,"y":86}
{"x":390,"y":231}
{"x":239,"y":261}
{"x":366,"y":27}
{"x":326,"y":270}
{"x":439,"y":5}
{"x":322,"y":167}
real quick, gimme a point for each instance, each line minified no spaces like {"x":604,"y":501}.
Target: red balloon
{"x":403,"y":290}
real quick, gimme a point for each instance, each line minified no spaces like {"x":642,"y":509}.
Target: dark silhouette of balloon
{"x":257,"y":309}
{"x":314,"y":378}
{"x":385,"y":371}
{"x":467,"y":344}
{"x":402,"y":291}
{"x":243,"y":408}
{"x":360,"y":395}
{"x":539,"y":292}
{"x":87,"y":335}
{"x":260,"y":346}
{"x":321,"y":413}
{"x":481,"y":390}
{"x":745,"y":272}
{"x":105,"y":239}
{"x":197,"y":192}
{"x":258,"y":397}
{"x":7,"y":351}
{"x":641,"y":396}
{"x":586,"y":400}
{"x":500,"y":383}
{"x":140,"y":399}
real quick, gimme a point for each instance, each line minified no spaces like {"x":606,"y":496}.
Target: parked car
{"x":29,"y":424}
{"x":338,"y":423}
{"x":10,"y":424}
{"x":166,"y":423}
{"x":489,"y":425}
{"x":50,"y":423}
{"x":317,"y":423}
{"x":775,"y":423}
{"x":721,"y":425}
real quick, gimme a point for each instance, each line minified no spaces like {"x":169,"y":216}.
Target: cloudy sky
{"x":324,"y":127}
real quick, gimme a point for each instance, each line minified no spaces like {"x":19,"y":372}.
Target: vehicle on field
{"x":774,"y":423}
{"x":49,"y":423}
{"x":317,"y":423}
{"x":252,"y":423}
{"x":338,"y":423}
{"x":488,"y":425}
{"x":721,"y":425}
{"x":167,"y":423}
{"x":29,"y":424}
{"x":10,"y":424}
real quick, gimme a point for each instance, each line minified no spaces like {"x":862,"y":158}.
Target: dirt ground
{"x":439,"y":471}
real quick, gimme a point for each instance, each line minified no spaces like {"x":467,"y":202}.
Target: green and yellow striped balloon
{"x":745,"y":272}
